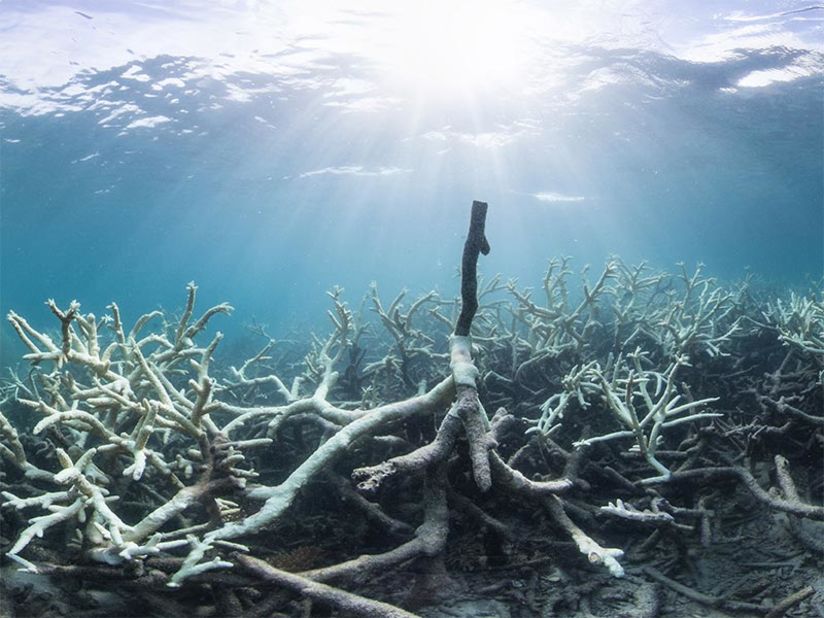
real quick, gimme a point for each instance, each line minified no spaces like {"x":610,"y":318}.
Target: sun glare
{"x":460,"y":47}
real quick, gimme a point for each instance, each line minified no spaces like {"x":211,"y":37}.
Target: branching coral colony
{"x":630,"y":403}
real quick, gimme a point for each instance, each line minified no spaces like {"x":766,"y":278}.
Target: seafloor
{"x":647,"y":444}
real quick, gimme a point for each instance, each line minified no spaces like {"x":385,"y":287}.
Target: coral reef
{"x":641,"y":424}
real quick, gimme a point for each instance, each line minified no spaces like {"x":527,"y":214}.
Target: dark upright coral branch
{"x":475,"y":243}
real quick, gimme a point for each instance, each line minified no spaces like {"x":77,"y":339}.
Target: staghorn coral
{"x":156,"y":447}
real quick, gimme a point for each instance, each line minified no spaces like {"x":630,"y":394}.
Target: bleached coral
{"x":149,"y":442}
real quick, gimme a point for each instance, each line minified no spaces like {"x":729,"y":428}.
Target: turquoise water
{"x":269,"y":152}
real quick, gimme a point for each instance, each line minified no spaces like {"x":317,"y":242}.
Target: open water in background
{"x":271,"y":151}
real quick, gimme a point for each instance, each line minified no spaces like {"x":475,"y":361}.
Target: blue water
{"x":268,"y":153}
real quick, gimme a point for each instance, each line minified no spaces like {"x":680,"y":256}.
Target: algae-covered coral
{"x":631,"y":423}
